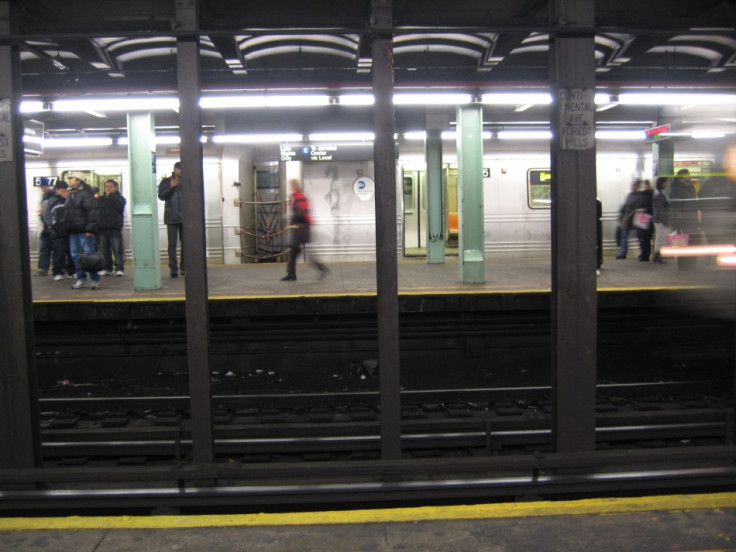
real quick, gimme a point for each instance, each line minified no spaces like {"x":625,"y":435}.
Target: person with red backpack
{"x":298,"y":232}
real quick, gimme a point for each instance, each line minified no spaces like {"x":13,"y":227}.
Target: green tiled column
{"x":143,"y":201}
{"x":435,"y":193}
{"x":470,"y":193}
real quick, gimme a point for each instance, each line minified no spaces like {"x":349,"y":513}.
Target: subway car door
{"x":415,"y":214}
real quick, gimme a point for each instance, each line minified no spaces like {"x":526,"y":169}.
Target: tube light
{"x":342,"y":136}
{"x":356,"y":99}
{"x":162,"y":140}
{"x":246,"y":101}
{"x":620,"y":135}
{"x":533,"y":98}
{"x":31,"y":106}
{"x":76,"y":142}
{"x":431,"y":99}
{"x":524,"y":135}
{"x":256,"y":138}
{"x":452,"y":135}
{"x":673,"y":98}
{"x":116,"y":104}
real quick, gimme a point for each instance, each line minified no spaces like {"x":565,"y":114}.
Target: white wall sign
{"x":577,"y":118}
{"x":6,"y":131}
{"x":364,"y":187}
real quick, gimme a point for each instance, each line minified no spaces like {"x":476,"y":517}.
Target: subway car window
{"x":539,"y":189}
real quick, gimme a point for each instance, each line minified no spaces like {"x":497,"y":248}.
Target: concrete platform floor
{"x":684,"y":523}
{"x":358,"y":278}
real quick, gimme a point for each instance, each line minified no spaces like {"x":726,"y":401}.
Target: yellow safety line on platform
{"x":388,"y":515}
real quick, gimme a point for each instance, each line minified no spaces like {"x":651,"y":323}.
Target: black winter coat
{"x":59,"y":227}
{"x":112,"y":209}
{"x":172,"y":201}
{"x":82,"y":213}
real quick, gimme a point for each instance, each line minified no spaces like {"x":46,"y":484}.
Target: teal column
{"x":470,"y":193}
{"x":143,"y":201}
{"x":435,"y":198}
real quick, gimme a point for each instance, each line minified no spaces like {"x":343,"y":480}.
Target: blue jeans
{"x":78,"y":244}
{"x":624,"y":243}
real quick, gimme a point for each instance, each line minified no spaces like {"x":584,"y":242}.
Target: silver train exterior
{"x":245,"y":192}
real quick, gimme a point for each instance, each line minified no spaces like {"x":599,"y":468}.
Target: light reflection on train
{"x":245,"y":193}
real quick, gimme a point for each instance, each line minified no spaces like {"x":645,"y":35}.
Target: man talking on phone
{"x":169,"y":191}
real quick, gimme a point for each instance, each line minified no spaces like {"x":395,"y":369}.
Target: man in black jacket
{"x":82,"y":214}
{"x":112,"y":209}
{"x":169,"y":191}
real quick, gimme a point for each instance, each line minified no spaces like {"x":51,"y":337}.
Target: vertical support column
{"x":386,"y":235}
{"x":663,"y":159}
{"x":470,"y":193}
{"x":574,"y":301}
{"x":19,"y":420}
{"x":195,"y":248}
{"x":435,"y":198}
{"x":143,"y":204}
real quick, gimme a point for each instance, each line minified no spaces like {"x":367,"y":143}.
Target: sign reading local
{"x":308,"y":152}
{"x":6,"y":131}
{"x":577,"y":118}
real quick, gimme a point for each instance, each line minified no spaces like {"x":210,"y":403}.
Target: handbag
{"x":677,"y":239}
{"x":91,"y":262}
{"x":642,"y":220}
{"x":298,"y":234}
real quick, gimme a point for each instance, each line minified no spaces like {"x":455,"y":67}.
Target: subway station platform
{"x":682,"y":523}
{"x":415,"y":276}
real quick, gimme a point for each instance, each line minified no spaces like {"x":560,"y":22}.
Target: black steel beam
{"x":194,"y":241}
{"x":19,"y":438}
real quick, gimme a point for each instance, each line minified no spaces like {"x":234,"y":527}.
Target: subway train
{"x":246,"y":193}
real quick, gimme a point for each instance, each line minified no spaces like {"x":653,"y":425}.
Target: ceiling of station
{"x":97,"y":47}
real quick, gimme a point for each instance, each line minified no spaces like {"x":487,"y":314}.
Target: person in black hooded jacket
{"x":81,"y":214}
{"x":112,"y":209}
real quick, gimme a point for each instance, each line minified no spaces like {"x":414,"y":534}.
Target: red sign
{"x":655,"y":134}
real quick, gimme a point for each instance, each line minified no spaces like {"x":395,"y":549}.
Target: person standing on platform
{"x":298,"y":231}
{"x":684,"y":213}
{"x":644,"y":227}
{"x":625,"y":218}
{"x":661,"y":217}
{"x":82,"y":215}
{"x":112,"y":209}
{"x":45,"y":242}
{"x":169,"y":191}
{"x":63,"y":266}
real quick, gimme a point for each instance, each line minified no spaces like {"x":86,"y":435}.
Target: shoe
{"x":182,"y":272}
{"x":119,"y":273}
{"x":289,"y":278}
{"x":323,"y":272}
{"x":174,"y":273}
{"x":658,"y":258}
{"x":70,"y":276}
{"x":94,"y":285}
{"x":42,"y":272}
{"x":105,"y":272}
{"x":80,"y":284}
{"x":620,"y":256}
{"x":58,"y":277}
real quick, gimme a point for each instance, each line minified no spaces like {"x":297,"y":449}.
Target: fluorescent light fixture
{"x":256,"y":138}
{"x":31,"y":106}
{"x":356,"y":99}
{"x":523,"y":98}
{"x":452,"y":135}
{"x":116,"y":104}
{"x":415,"y":135}
{"x":245,"y":101}
{"x":524,"y":135}
{"x":602,"y":99}
{"x":342,"y":136}
{"x":163,"y":140}
{"x":705,"y":134}
{"x":620,"y":135}
{"x":431,"y":99}
{"x":76,"y":142}
{"x":676,"y":99}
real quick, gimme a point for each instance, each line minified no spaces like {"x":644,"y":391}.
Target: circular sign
{"x":364,"y":187}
